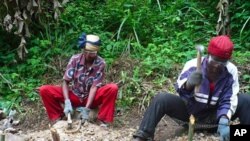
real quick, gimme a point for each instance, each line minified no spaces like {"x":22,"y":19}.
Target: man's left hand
{"x":84,"y":112}
{"x":223,"y":129}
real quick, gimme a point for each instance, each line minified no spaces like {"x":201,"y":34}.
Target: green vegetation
{"x":145,"y":44}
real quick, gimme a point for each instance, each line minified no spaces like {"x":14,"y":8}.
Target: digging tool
{"x":200,"y":49}
{"x":69,"y":121}
{"x":79,"y":125}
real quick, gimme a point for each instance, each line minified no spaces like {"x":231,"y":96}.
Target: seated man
{"x":86,"y":72}
{"x":217,"y":100}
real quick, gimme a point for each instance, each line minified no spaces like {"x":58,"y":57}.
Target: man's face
{"x":215,"y":66}
{"x":90,"y":55}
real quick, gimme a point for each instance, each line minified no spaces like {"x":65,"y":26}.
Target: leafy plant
{"x":160,"y":35}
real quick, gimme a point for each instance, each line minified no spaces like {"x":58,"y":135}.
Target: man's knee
{"x":113,"y":88}
{"x":161,"y":97}
{"x":244,"y":98}
{"x":43,"y":90}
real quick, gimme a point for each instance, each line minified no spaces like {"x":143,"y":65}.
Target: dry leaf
{"x":65,"y":1}
{"x":29,"y":6}
{"x":21,"y":50}
{"x":56,"y":4}
{"x":20,"y":27}
{"x":25,"y":15}
{"x":27,"y":32}
{"x":18,"y":15}
{"x":56,"y":15}
{"x":34,"y":4}
{"x":6,"y":5}
{"x":7,"y":23}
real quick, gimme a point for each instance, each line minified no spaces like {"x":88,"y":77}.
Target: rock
{"x":12,"y":137}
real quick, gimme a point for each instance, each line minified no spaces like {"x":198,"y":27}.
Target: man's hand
{"x":223,"y":129}
{"x":84,"y":112}
{"x":194,"y":79}
{"x":67,"y":107}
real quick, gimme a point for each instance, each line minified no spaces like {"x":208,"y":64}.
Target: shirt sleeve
{"x":229,"y":100}
{"x":99,"y":76}
{"x":186,"y":71}
{"x":70,"y":69}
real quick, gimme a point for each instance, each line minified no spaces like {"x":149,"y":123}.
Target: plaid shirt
{"x":82,"y":77}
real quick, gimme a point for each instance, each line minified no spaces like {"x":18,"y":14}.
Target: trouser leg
{"x":52,"y":98}
{"x":169,"y":104}
{"x":242,"y":108}
{"x":105,"y":98}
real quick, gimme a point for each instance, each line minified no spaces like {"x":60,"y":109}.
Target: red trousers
{"x":52,"y":97}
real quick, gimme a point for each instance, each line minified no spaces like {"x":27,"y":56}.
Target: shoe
{"x":142,"y":136}
{"x":102,"y":123}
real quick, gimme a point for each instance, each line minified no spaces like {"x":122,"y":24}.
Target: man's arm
{"x":96,"y":83}
{"x":65,"y":89}
{"x":229,"y":100}
{"x":91,"y":96}
{"x":67,"y":104}
{"x":181,"y":85}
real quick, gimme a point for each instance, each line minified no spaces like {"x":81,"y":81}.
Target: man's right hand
{"x":67,"y":107}
{"x":194,"y":79}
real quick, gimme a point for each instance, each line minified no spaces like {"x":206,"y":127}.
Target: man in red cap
{"x":216,"y":102}
{"x":85,"y":71}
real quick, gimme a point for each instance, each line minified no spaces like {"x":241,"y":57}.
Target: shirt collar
{"x":82,"y":59}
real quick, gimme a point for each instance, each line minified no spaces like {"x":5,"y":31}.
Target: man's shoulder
{"x":192,"y":62}
{"x":76,"y":55}
{"x":232,"y":68}
{"x":101,"y":60}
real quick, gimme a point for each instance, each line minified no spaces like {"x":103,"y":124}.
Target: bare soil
{"x":35,"y":126}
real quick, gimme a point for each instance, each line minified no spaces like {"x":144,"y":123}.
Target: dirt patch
{"x":35,"y":127}
{"x":33,"y":117}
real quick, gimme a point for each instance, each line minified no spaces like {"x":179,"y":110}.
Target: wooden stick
{"x":200,"y":49}
{"x":2,"y":137}
{"x":55,"y":135}
{"x":191,"y":128}
{"x":69,"y":121}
